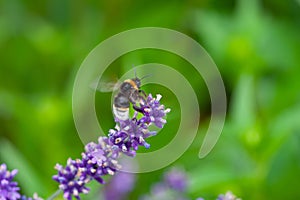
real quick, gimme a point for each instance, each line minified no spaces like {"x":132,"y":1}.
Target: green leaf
{"x":243,"y":102}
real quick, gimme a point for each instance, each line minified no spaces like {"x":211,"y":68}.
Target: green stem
{"x":54,"y":195}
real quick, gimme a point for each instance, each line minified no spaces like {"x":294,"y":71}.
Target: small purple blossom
{"x":35,"y":197}
{"x":9,"y":190}
{"x":120,"y":185}
{"x":176,"y":179}
{"x":162,"y":191}
{"x":173,"y":186}
{"x":123,"y":140}
{"x":228,"y":196}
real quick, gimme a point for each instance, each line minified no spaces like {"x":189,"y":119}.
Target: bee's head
{"x":137,"y":82}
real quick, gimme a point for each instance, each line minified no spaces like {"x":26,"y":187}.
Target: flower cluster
{"x":176,"y":179}
{"x":174,"y":186}
{"x":100,"y":159}
{"x":131,"y":133}
{"x":119,"y":186}
{"x":8,"y":189}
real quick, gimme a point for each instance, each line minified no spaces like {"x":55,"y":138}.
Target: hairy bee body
{"x":129,"y":92}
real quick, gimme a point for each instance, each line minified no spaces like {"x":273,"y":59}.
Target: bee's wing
{"x":106,"y":86}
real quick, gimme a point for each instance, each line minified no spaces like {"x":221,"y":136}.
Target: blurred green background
{"x":255,"y":44}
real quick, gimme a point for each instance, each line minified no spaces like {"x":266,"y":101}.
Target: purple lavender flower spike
{"x":176,"y":179}
{"x":136,"y":133}
{"x":71,"y":180}
{"x":173,"y":187}
{"x":101,"y":158}
{"x":131,"y":133}
{"x":121,"y":184}
{"x":162,"y":191}
{"x":8,"y":188}
{"x":154,"y":112}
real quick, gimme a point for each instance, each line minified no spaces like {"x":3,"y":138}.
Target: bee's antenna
{"x":135,"y":72}
{"x":142,"y":77}
{"x":146,"y":76}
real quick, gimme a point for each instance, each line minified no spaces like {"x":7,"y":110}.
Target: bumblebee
{"x":129,"y":92}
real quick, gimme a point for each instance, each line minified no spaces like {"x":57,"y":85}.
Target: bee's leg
{"x":137,"y":108}
{"x":134,"y":99}
{"x":143,"y":92}
{"x":134,"y":117}
{"x":143,"y":97}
